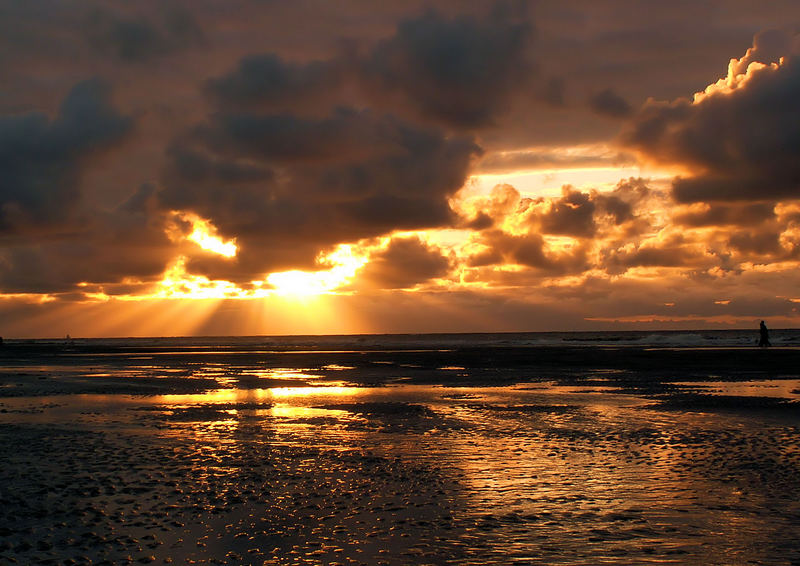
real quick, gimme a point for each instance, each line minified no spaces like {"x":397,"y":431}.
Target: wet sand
{"x":483,"y":455}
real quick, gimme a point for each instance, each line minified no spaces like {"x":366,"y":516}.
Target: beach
{"x":627,"y":448}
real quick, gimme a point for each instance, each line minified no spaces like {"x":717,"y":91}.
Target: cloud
{"x":43,"y":160}
{"x":106,"y":248}
{"x":763,"y":243}
{"x":456,"y":72}
{"x":739,"y":138}
{"x":528,"y":250}
{"x":674,"y":251}
{"x":630,"y":230}
{"x":268,"y":82}
{"x":576,"y":213}
{"x":403,"y":264}
{"x":459,"y":71}
{"x":570,"y":215}
{"x":523,"y":241}
{"x":609,"y":103}
{"x":720,"y":214}
{"x":56,"y":237}
{"x":304,"y":155}
{"x":138,"y":38}
{"x":295,"y":134}
{"x":288,"y":187}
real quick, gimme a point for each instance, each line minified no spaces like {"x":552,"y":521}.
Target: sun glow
{"x":296,"y":283}
{"x":183,"y":226}
{"x":204,"y":235}
{"x":178,"y":284}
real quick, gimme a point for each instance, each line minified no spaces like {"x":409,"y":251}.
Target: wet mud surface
{"x":274,"y":463}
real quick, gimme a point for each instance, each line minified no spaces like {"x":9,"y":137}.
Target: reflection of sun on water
{"x":222,"y":409}
{"x":227,"y":396}
{"x":322,"y":391}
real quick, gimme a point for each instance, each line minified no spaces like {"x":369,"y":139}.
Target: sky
{"x":257,"y":167}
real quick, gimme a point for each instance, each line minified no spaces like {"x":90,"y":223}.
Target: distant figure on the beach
{"x":764,"y":340}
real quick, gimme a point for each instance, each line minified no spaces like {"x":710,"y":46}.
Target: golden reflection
{"x":327,"y":391}
{"x":226,"y":396}
{"x":291,"y":412}
{"x":285,"y":374}
{"x":215,"y":397}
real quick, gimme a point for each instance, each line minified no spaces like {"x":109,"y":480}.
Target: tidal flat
{"x":409,"y":454}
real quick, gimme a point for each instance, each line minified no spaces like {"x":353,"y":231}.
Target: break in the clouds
{"x":589,"y":162}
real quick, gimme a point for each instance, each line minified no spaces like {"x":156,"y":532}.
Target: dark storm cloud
{"x":616,"y":208}
{"x":610,"y":103}
{"x":742,"y":138}
{"x":268,"y":82}
{"x":138,"y":38}
{"x":127,"y":243}
{"x":43,"y":160}
{"x":571,"y":215}
{"x":720,"y":214}
{"x":553,"y":91}
{"x":405,"y":263}
{"x":459,"y":71}
{"x":759,"y":243}
{"x":676,"y":256}
{"x":55,"y":237}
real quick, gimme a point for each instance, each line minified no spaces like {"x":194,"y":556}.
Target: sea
{"x":640,"y":338}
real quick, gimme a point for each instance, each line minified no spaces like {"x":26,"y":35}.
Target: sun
{"x":339,"y":268}
{"x":344,"y":261}
{"x":299,"y":283}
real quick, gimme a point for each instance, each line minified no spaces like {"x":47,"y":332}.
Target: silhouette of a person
{"x":764,"y":339}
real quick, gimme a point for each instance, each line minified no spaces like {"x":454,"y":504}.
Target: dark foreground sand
{"x":472,"y":456}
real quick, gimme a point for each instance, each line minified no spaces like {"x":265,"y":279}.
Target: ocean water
{"x":529,"y":448}
{"x":644,"y":338}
